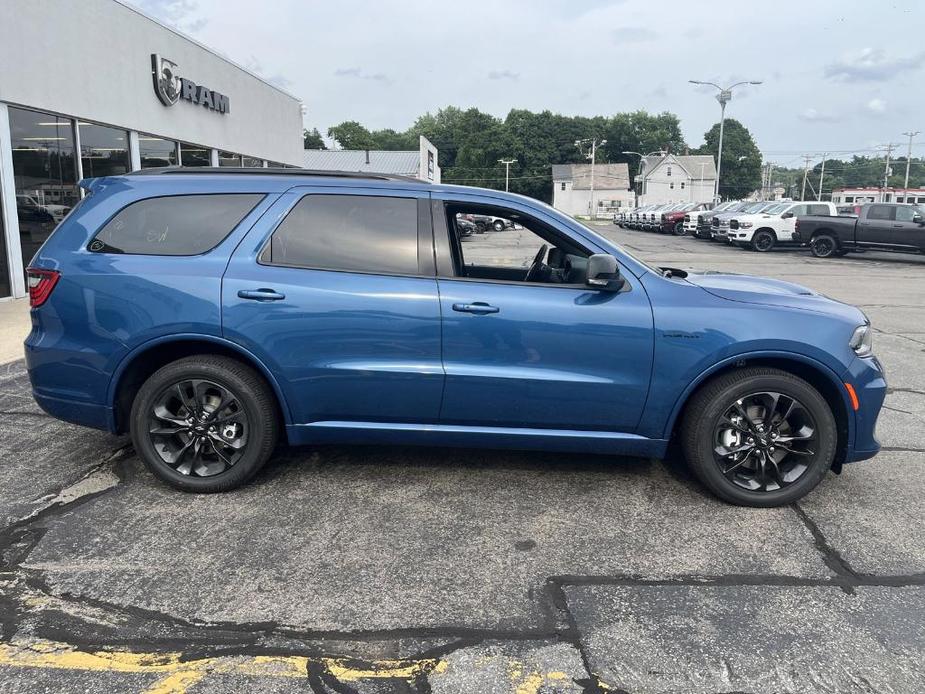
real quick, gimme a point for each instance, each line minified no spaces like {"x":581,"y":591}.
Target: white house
{"x":674,"y":178}
{"x":420,"y":163}
{"x":571,"y":188}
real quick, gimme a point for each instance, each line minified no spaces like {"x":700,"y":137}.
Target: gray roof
{"x":380,"y":161}
{"x":690,"y":162}
{"x":606,"y":176}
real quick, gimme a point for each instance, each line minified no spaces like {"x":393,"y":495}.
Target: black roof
{"x":270,"y":171}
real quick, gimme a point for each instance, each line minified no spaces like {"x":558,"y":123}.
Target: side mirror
{"x":786,"y":215}
{"x":604,"y":273}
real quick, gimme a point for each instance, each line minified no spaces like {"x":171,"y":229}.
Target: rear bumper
{"x":76,"y":412}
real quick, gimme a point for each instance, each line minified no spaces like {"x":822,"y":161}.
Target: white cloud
{"x":876,"y":105}
{"x":811,"y":115}
{"x":872,"y":65}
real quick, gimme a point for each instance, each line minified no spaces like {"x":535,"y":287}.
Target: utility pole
{"x":910,"y":135}
{"x":821,"y":176}
{"x":507,"y":171}
{"x":592,"y":155}
{"x":807,"y":157}
{"x":886,"y":170}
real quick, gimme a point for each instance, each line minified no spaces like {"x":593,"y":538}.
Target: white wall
{"x":658,"y":188}
{"x":576,"y":202}
{"x":92,"y":59}
{"x":427,"y":148}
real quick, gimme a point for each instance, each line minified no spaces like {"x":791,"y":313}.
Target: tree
{"x":312,"y":139}
{"x":351,"y":135}
{"x":741,"y":167}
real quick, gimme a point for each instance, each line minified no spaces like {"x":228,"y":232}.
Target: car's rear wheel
{"x":824,"y":246}
{"x":759,"y":437}
{"x":763,"y":241}
{"x":204,"y":423}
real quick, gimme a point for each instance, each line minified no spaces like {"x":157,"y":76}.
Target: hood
{"x":771,"y":292}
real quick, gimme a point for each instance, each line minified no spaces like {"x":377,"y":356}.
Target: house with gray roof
{"x":572,"y":190}
{"x":420,"y":163}
{"x":676,"y":178}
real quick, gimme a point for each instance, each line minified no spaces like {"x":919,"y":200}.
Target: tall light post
{"x":723,"y":97}
{"x":592,"y":156}
{"x":911,"y":134}
{"x":507,"y":171}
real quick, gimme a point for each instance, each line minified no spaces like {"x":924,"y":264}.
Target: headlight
{"x":862,"y":341}
{"x":745,"y":225}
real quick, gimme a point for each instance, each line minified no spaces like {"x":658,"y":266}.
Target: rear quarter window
{"x":174,"y":225}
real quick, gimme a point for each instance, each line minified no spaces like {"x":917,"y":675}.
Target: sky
{"x":837,"y":76}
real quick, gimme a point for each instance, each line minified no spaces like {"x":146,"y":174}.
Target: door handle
{"x":898,"y":226}
{"x":478,"y":307}
{"x":262,"y":294}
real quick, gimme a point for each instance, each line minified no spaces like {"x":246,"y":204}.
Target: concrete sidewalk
{"x":14,"y":326}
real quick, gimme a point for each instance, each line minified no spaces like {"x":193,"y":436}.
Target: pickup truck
{"x":774,"y":225}
{"x":878,"y":227}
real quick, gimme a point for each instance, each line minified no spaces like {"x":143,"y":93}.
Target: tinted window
{"x":176,"y":225}
{"x":348,"y":232}
{"x":905,"y":214}
{"x":881,"y":212}
{"x":820,"y":209}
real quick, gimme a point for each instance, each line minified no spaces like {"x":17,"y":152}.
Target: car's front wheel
{"x":204,"y":424}
{"x":498,"y":225}
{"x":763,"y":241}
{"x":679,"y":229}
{"x":759,"y":437}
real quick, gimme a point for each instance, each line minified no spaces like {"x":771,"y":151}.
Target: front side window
{"x":521,"y":250}
{"x":907,"y":214}
{"x":174,"y":225}
{"x":886,"y":212}
{"x":352,"y":233}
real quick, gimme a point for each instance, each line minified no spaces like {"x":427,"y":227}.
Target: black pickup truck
{"x":879,"y":226}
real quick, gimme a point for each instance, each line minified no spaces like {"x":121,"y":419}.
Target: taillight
{"x":40,"y":282}
{"x":796,"y":223}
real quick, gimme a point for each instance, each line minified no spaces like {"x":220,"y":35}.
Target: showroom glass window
{"x":44,"y":174}
{"x":229,"y":159}
{"x":194,"y":155}
{"x":103,"y":150}
{"x":156,"y":151}
{"x":5,"y":287}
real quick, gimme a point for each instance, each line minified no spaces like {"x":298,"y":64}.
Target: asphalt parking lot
{"x":435,"y":570}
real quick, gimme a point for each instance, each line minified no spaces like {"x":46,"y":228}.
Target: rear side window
{"x":174,"y":225}
{"x":823,"y":210}
{"x":357,"y":233}
{"x":881,"y":212}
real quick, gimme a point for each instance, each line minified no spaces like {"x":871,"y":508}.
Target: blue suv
{"x":215,"y":312}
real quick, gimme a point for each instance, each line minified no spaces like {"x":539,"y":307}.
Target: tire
{"x":763,"y":240}
{"x":679,"y":229}
{"x":824,"y":246}
{"x":191,"y":386}
{"x":702,"y":434}
{"x":498,"y":225}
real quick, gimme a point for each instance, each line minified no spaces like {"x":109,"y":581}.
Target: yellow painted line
{"x":383,"y":669}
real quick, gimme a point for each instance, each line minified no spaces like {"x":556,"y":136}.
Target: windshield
{"x":778,"y":209}
{"x":754,"y":207}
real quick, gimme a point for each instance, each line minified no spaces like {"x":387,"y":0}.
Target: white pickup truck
{"x":764,"y":230}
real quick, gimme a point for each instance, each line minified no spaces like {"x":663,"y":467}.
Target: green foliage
{"x":312,"y":139}
{"x":471,"y":142}
{"x":858,"y":172}
{"x":741,"y":167}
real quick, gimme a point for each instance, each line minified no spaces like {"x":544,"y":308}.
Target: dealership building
{"x":97,"y":88}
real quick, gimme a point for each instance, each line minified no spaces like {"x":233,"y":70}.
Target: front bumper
{"x":869,"y":382}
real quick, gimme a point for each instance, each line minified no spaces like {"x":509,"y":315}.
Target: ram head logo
{"x":166,"y":79}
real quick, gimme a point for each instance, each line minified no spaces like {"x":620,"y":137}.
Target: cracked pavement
{"x":348,"y":569}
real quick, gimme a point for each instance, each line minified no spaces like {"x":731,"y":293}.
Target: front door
{"x":525,"y":343}
{"x":331,"y":290}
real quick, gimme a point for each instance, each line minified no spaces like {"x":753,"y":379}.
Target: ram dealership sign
{"x":170,"y":87}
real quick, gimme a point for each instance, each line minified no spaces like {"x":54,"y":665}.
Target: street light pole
{"x":724,"y":97}
{"x":592,"y":156}
{"x":639,"y":173}
{"x":507,"y":171}
{"x":910,"y":135}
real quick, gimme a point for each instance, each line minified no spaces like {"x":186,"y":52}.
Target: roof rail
{"x":270,"y":171}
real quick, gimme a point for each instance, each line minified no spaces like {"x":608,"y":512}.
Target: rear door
{"x":875,"y":226}
{"x":334,"y":290}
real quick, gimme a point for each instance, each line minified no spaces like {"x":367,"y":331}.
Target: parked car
{"x":672,"y":222}
{"x":482,"y":222}
{"x":57,"y":212}
{"x":214,"y":312}
{"x":703,"y":228}
{"x":773,"y":226}
{"x":879,"y":227}
{"x":465,"y":227}
{"x":719,"y":224}
{"x":651,"y":219}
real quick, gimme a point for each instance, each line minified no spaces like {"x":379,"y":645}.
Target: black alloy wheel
{"x":205,"y":423}
{"x":679,"y":229}
{"x":763,"y":241}
{"x":824,"y":246}
{"x":759,"y":436}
